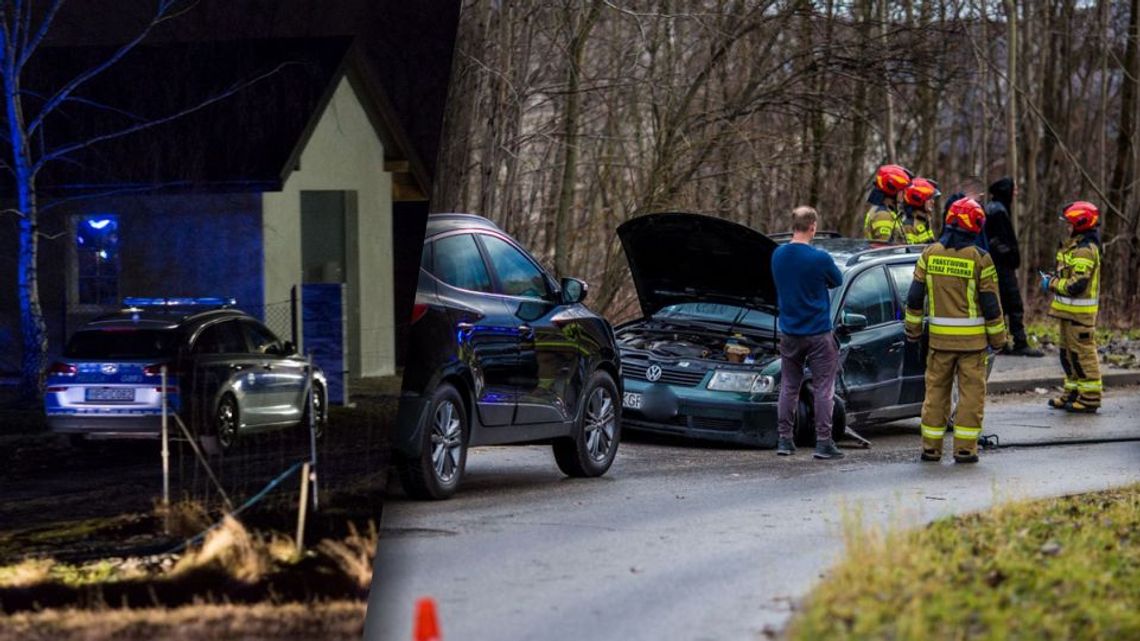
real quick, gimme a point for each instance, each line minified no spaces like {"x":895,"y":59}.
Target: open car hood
{"x":679,"y":258}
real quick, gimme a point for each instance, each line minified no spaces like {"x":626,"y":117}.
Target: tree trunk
{"x":33,"y":329}
{"x":889,"y":126}
{"x":570,"y":135}
{"x":856,"y":178}
{"x":1122,"y":173}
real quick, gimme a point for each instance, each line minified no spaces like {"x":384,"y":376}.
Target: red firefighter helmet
{"x":919,"y":192}
{"x":966,"y":214}
{"x":1082,"y":215}
{"x":891,"y":179}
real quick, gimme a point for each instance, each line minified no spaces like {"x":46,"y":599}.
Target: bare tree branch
{"x":29,"y":46}
{"x":166,"y":10}
{"x":63,"y":151}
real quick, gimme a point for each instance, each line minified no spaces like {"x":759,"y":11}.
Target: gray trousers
{"x":820,"y":352}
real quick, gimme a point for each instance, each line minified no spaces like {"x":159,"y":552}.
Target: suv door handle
{"x":465,"y":325}
{"x":526,"y":330}
{"x":267,"y":366}
{"x":235,"y":367}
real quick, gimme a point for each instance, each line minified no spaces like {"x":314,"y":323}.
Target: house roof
{"x":253,"y":104}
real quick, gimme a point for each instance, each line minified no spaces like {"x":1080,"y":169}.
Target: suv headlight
{"x":730,"y":381}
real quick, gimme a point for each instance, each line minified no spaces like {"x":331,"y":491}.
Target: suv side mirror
{"x":852,"y":322}
{"x":288,"y":349}
{"x":573,"y":291}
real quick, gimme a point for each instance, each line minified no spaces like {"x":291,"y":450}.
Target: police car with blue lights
{"x":227,"y":375}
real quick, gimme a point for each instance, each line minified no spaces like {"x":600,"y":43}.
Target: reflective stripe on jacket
{"x":1077,"y":286}
{"x":882,"y":225}
{"x":917,"y":232}
{"x":960,"y":291}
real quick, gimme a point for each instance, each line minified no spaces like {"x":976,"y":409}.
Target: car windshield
{"x":122,"y":343}
{"x":716,"y":313}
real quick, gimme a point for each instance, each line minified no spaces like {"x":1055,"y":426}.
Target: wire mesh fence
{"x":239,"y":431}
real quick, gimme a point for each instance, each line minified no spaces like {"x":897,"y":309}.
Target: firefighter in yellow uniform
{"x":918,"y":205}
{"x":881,"y":223}
{"x":957,"y":282}
{"x":1075,"y":287}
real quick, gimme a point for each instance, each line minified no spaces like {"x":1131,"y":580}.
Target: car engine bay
{"x":695,"y":344}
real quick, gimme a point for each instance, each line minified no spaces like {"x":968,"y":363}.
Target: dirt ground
{"x":92,"y":511}
{"x":329,"y":621}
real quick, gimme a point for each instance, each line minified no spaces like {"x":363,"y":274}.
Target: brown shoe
{"x":965,"y":450}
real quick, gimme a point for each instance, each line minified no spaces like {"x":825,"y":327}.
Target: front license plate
{"x":631,"y":400}
{"x":110,"y":393}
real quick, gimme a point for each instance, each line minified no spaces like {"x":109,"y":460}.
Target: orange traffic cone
{"x":427,"y":625}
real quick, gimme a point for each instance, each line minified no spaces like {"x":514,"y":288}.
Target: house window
{"x":97,"y":259}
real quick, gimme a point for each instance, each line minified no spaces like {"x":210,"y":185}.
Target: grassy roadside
{"x":1064,"y":568}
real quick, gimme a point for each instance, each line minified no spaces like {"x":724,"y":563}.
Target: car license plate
{"x":631,"y":400}
{"x":110,"y":393}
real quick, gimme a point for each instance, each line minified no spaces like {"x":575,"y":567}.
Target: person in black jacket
{"x":1002,"y":240}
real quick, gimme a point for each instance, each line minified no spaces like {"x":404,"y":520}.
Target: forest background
{"x":568,"y":117}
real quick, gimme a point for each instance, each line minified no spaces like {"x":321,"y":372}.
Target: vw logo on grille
{"x":653,"y":374}
{"x":109,"y":369}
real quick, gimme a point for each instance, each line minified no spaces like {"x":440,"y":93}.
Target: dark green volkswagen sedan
{"x":702,"y":361}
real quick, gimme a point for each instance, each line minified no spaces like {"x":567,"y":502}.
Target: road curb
{"x":1114,"y":378}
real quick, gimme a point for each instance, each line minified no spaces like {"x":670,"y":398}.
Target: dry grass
{"x":231,"y":548}
{"x":231,"y":565}
{"x":1065,"y":568}
{"x":326,"y":621}
{"x":355,"y":555}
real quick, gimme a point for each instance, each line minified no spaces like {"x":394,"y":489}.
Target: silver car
{"x":227,"y":375}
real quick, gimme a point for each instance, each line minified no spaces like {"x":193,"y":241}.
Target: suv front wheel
{"x":590,"y":450}
{"x":435,"y":472}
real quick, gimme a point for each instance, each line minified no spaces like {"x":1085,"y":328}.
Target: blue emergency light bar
{"x":207,"y":301}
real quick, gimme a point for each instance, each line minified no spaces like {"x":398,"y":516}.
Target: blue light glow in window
{"x":97,"y":259}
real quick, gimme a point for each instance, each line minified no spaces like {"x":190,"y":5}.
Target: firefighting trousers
{"x":1080,"y":362}
{"x":942,"y":369}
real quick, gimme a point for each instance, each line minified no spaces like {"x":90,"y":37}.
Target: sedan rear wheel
{"x":591,"y":449}
{"x":436,"y":472}
{"x":319,"y":411}
{"x":226,"y":422}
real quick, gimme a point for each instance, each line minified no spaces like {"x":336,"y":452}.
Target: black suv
{"x":501,"y":353}
{"x":702,"y":361}
{"x":227,"y":374}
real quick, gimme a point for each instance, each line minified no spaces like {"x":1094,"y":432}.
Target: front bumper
{"x":695,"y":412}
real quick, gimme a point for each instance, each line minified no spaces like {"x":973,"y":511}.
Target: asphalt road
{"x":684,"y":542}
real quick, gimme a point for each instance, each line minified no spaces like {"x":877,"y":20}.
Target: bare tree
{"x":24,"y":27}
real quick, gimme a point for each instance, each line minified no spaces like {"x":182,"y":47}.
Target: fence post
{"x":165,"y":460}
{"x":302,"y":512}
{"x":294,"y":320}
{"x":313,"y":429}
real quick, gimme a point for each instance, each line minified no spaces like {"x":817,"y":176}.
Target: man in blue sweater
{"x":803,"y":274}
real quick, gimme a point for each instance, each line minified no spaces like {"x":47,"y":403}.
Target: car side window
{"x":456,"y":261}
{"x":903,"y":275}
{"x":518,"y":275}
{"x":221,"y":338}
{"x":261,"y":340}
{"x":871,"y":296}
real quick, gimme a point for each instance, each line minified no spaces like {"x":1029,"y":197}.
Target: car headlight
{"x":763,"y":384}
{"x":730,"y":381}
